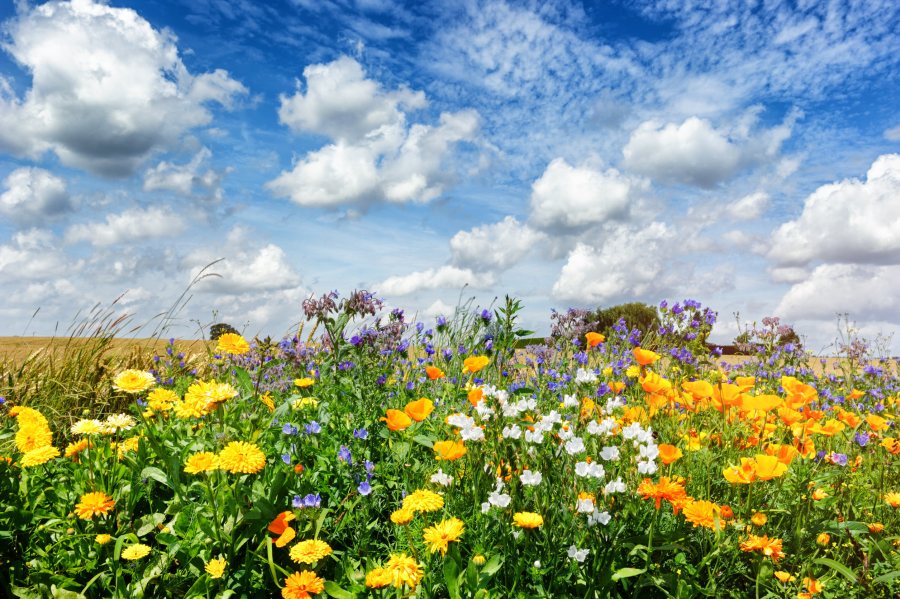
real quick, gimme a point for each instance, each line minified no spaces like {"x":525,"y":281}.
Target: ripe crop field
{"x":398,"y":459}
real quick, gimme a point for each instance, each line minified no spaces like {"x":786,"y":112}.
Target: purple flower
{"x":344,"y":455}
{"x":839,"y":458}
{"x":364,"y":488}
{"x":361,"y":433}
{"x":310,"y":501}
{"x":286,"y":458}
{"x":486,"y":315}
{"x":289,"y":429}
{"x":861,"y":438}
{"x":313,"y":428}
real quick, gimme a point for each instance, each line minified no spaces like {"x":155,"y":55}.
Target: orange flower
{"x":759,"y":518}
{"x":396,"y":420}
{"x":699,"y":390}
{"x":813,"y":586}
{"x":672,"y":490}
{"x":449,"y":450}
{"x":703,"y":513}
{"x":420,"y":409}
{"x":891,"y":445}
{"x":892,"y":499}
{"x":280,"y":523}
{"x":768,"y":467}
{"x":475,"y":363}
{"x":669,"y":453}
{"x":876,"y":423}
{"x":741,"y":475}
{"x":616,"y":387}
{"x":784,"y":453}
{"x":784,"y":577}
{"x":819,"y":495}
{"x":855,"y":394}
{"x":475,"y":396}
{"x":768,"y":547}
{"x":823,"y":538}
{"x":594,"y":339}
{"x":644,"y":357}
{"x":93,"y":504}
{"x":434,"y":373}
{"x":726,"y":512}
{"x":875,"y":527}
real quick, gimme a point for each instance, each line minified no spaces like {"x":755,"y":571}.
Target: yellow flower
{"x":768,"y":467}
{"x":32,"y":435}
{"x":135,"y":551}
{"x":216,"y":567}
{"x":402,"y":516}
{"x":823,"y":539}
{"x":475,"y":363}
{"x":768,"y":547}
{"x":161,"y":399}
{"x":423,"y":500}
{"x":478,"y":559}
{"x":204,"y":461}
{"x":813,"y":586}
{"x":304,"y":382}
{"x":239,"y":457}
{"x":232,"y":343}
{"x":819,"y":495}
{"x":449,"y":450}
{"x":88,"y":427}
{"x":378,"y":578}
{"x":133,"y":381}
{"x":442,"y":534}
{"x":308,"y":552}
{"x":102,"y":539}
{"x":420,"y":409}
{"x":285,"y":537}
{"x":266,"y":398}
{"x":631,"y":372}
{"x":875,"y":527}
{"x":302,"y":585}
{"x":94,"y":504}
{"x":404,"y":570}
{"x":118,"y":422}
{"x":784,"y":577}
{"x":892,"y":499}
{"x":528,"y":520}
{"x":73,"y":449}
{"x":38,"y":456}
{"x":130,"y":444}
{"x":759,"y":519}
{"x":703,"y":513}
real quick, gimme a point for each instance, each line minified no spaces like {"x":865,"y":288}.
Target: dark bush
{"x":219,"y":329}
{"x":635,"y":314}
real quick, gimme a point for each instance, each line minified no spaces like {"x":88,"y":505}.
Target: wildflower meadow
{"x":378,"y":456}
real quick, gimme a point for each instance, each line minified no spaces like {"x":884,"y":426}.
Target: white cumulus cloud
{"x":494,"y":247}
{"x":33,"y":195}
{"x":137,"y":224}
{"x":184,"y":179}
{"x":444,"y":277}
{"x":867,"y":292}
{"x":107,"y":88}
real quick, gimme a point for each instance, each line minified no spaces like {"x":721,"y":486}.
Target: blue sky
{"x":743,"y":154}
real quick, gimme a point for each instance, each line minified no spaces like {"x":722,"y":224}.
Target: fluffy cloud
{"x":629,"y":264}
{"x":749,"y":207}
{"x":137,"y":224}
{"x":183,"y":179}
{"x":568,"y":196}
{"x":494,"y":247}
{"x":107,"y":89}
{"x":341,"y":103}
{"x":850,"y":221}
{"x":240,"y":268}
{"x":375,"y":156}
{"x":445,"y":277}
{"x":33,"y":255}
{"x":696,"y":153}
{"x":867,"y":292}
{"x":34,"y":195}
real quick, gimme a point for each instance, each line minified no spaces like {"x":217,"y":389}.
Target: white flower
{"x":574,"y":445}
{"x":530,"y":478}
{"x":614,"y":486}
{"x":565,"y":434}
{"x":614,"y":402}
{"x":513,"y":431}
{"x":610,"y":454}
{"x":602,"y":428}
{"x":632,"y":430}
{"x":649,"y":451}
{"x":474,"y":433}
{"x":594,"y":470}
{"x":537,"y":563}
{"x":582,"y":469}
{"x":570,"y":401}
{"x":439,"y":478}
{"x":646,"y":467}
{"x":601,"y":517}
{"x":485,"y":507}
{"x":536,"y":436}
{"x":579,"y":555}
{"x":460,"y":420}
{"x":484,"y":411}
{"x":585,"y":376}
{"x":553,"y":417}
{"x":584,"y":506}
{"x":118,"y":422}
{"x":500,"y":500}
{"x":527,"y":404}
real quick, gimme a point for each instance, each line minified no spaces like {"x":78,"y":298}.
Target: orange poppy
{"x":420,"y":409}
{"x":449,"y":450}
{"x":396,"y":420}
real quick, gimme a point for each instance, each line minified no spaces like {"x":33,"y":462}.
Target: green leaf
{"x":451,"y":577}
{"x":156,"y":474}
{"x":333,"y":590}
{"x":425,"y":440}
{"x":492,"y":565}
{"x":627,"y":573}
{"x":837,"y":567}
{"x":887,"y":578}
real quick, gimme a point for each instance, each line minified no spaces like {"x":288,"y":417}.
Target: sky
{"x":743,"y":154}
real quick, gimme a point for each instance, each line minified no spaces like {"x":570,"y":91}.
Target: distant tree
{"x":635,"y":314}
{"x":219,"y":329}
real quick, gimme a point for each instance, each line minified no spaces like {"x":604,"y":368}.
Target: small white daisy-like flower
{"x":530,"y":478}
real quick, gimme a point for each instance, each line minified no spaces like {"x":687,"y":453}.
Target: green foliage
{"x":635,"y":315}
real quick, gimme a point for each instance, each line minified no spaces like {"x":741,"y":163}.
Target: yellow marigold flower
{"x":423,"y":500}
{"x":784,"y":577}
{"x":232,"y":343}
{"x":449,"y":450}
{"x":33,"y":435}
{"x":38,"y":456}
{"x":88,"y":427}
{"x":93,"y":504}
{"x":302,"y":585}
{"x":133,"y":381}
{"x":25,"y":416}
{"x":379,"y":578}
{"x":135,"y":551}
{"x":759,"y":519}
{"x":631,"y":372}
{"x":875,"y":527}
{"x":239,"y":457}
{"x":813,"y":586}
{"x":703,"y":513}
{"x":130,"y":444}
{"x":304,"y":382}
{"x":475,"y":363}
{"x":402,"y":516}
{"x":528,"y":520}
{"x":478,"y":559}
{"x":310,"y":551}
{"x":768,"y":547}
{"x":216,"y":567}
{"x":305,"y":402}
{"x":404,"y":570}
{"x":442,"y":534}
{"x":266,"y":398}
{"x":73,"y":449}
{"x":102,"y":539}
{"x":823,"y":538}
{"x":892,"y":499}
{"x":161,"y":399}
{"x":420,"y":409}
{"x":204,"y":461}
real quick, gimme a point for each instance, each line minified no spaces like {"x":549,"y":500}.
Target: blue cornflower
{"x":313,"y":428}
